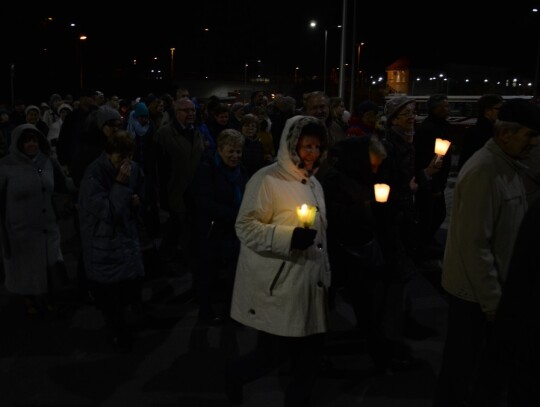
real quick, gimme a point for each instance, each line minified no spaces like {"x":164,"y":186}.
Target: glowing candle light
{"x":381,"y":192}
{"x":441,"y":148}
{"x":306,"y":215}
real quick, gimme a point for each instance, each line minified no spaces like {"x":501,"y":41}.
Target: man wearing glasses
{"x":178,"y":150}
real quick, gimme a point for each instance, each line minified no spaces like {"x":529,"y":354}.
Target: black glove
{"x":302,"y":238}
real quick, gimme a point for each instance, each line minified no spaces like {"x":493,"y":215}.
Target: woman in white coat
{"x":283,"y":272}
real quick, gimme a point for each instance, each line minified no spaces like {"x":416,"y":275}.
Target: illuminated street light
{"x":82,"y":38}
{"x":313,"y":24}
{"x":172,"y":63}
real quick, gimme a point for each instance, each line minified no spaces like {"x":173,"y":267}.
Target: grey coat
{"x":29,"y":231}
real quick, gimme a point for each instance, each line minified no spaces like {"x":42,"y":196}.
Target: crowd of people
{"x":229,"y":181}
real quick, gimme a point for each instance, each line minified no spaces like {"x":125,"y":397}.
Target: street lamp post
{"x":537,"y":66}
{"x":172,"y":63}
{"x":82,"y":38}
{"x":313,"y":24}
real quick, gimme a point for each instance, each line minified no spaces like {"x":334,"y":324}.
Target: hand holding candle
{"x":441,"y":148}
{"x":306,"y":215}
{"x":381,"y":192}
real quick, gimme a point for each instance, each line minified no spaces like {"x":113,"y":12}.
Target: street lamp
{"x":172,"y":63}
{"x":537,"y":67}
{"x":246,"y":65}
{"x":313,"y":24}
{"x":82,"y":38}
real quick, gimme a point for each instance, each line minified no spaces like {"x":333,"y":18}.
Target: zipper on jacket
{"x":276,"y":278}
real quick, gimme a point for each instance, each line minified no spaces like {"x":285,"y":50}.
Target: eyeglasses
{"x":186,"y":110}
{"x":306,"y":149}
{"x":407,"y":113}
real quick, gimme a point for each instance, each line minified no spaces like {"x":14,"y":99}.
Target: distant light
{"x":313,"y":24}
{"x":207,"y":29}
{"x":535,"y":10}
{"x":72,"y":24}
{"x":83,"y":37}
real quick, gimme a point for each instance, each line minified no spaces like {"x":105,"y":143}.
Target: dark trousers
{"x":468,"y":332}
{"x":304,"y":354}
{"x":214,"y":278}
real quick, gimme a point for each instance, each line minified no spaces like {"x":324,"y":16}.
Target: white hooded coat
{"x":279,"y":290}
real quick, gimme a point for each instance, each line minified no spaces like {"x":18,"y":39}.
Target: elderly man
{"x":488,"y":206}
{"x":178,"y":150}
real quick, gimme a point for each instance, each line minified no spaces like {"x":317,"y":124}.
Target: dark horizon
{"x":47,"y":55}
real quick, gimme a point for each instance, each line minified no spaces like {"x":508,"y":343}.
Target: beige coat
{"x":278,"y":290}
{"x":488,"y":205}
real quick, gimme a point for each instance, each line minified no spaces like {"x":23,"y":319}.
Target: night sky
{"x":47,"y":55}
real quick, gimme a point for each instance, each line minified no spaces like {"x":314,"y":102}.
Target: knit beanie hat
{"x":104,"y":114}
{"x":140,"y":109}
{"x":394,"y":105}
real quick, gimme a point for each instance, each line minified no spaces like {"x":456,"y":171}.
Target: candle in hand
{"x":306,"y":215}
{"x":441,"y":147}
{"x":381,"y":192}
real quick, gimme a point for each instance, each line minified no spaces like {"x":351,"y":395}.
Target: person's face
{"x":143,"y":120}
{"x":32,"y":116}
{"x":118,"y":159}
{"x":339,"y":109}
{"x":309,"y":150}
{"x":185,"y":112}
{"x":317,"y":107}
{"x":222,"y":119}
{"x":492,"y":113}
{"x":31,"y":146}
{"x":230,"y":155}
{"x":405,"y":118}
{"x":239,"y":113}
{"x":64,"y":113}
{"x":369,"y":119}
{"x":518,"y":144}
{"x":249,"y":129}
{"x":443,"y":109}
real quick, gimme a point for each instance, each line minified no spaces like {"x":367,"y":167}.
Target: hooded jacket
{"x":30,"y":234}
{"x":279,"y":290}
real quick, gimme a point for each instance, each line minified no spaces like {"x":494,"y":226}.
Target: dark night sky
{"x":276,"y":32}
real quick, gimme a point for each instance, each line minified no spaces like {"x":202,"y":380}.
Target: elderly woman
{"x":283,"y":273}
{"x":218,"y":188}
{"x":110,"y":201}
{"x":29,"y":232}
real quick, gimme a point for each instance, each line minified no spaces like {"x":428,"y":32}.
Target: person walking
{"x":110,"y":199}
{"x":283,"y":273}
{"x":489,"y":204}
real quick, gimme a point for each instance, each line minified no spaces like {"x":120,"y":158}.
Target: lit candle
{"x":306,"y":215}
{"x":441,"y":148}
{"x":381,"y":192}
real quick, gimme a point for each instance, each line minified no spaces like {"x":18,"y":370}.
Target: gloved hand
{"x":302,"y":238}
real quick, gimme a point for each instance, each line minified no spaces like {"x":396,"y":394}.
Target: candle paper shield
{"x":381,"y":192}
{"x":306,"y":215}
{"x":441,"y":146}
